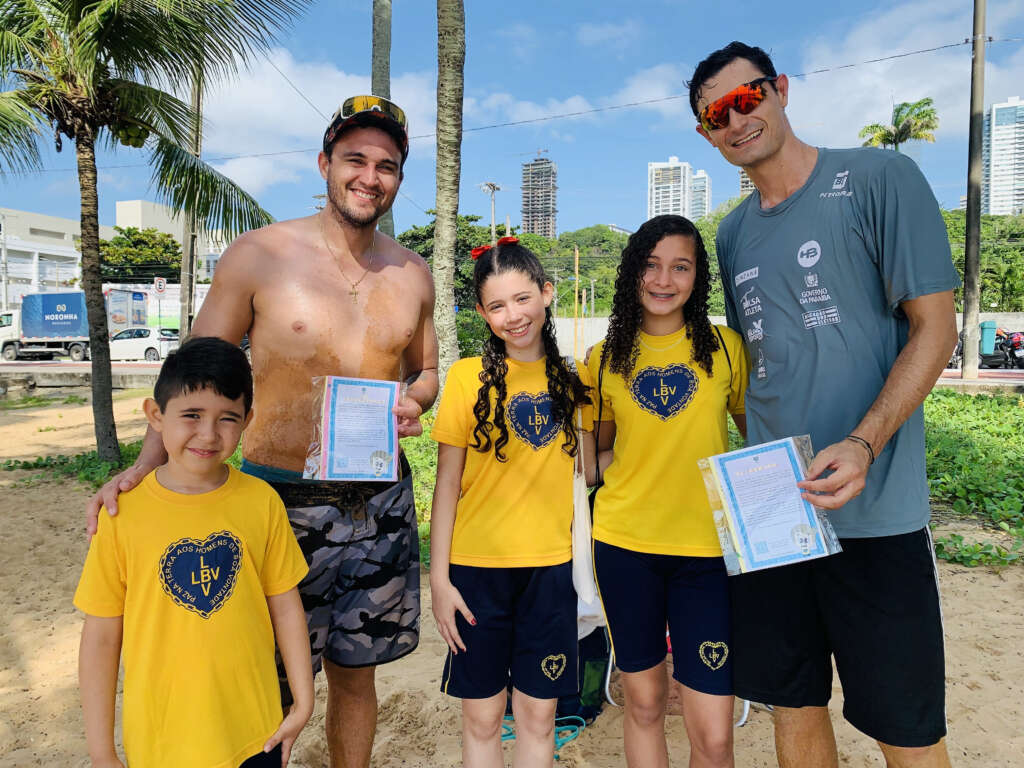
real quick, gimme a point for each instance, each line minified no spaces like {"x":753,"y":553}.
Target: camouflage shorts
{"x":362,"y":592}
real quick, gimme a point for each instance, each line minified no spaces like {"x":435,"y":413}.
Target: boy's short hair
{"x":718,"y":60}
{"x":205,"y":362}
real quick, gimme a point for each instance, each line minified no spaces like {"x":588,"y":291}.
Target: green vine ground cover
{"x":975,"y":455}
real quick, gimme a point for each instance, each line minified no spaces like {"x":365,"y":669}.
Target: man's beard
{"x":356,"y":219}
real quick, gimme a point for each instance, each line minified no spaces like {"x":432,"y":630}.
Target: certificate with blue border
{"x":769,"y":523}
{"x":359,"y":431}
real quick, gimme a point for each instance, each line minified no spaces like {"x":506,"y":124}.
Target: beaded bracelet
{"x":866,"y":444}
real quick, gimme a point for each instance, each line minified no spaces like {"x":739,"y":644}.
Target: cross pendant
{"x":354,"y":293}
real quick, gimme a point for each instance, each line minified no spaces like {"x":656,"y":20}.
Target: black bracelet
{"x":866,"y":444}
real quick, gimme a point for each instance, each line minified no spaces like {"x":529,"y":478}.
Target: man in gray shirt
{"x":838,"y":274}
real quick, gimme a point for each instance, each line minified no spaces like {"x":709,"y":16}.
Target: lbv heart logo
{"x":553,"y":666}
{"x":200,"y":575}
{"x":664,"y":391}
{"x":531,"y":420}
{"x":713,"y":654}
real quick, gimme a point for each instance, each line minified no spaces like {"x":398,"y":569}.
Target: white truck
{"x":49,"y":324}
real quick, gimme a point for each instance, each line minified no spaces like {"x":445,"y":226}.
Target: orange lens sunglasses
{"x":743,"y":99}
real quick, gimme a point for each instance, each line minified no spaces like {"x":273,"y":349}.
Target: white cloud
{"x":260,"y":112}
{"x":657,"y":82}
{"x":503,"y":107}
{"x":616,"y":35}
{"x":830,"y":108}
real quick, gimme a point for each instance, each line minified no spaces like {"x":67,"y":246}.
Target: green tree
{"x":105,"y":71}
{"x":1001,"y":278}
{"x":910,"y":121}
{"x":708,"y":228}
{"x":138,"y":255}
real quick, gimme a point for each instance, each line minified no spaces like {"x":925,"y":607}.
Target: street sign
{"x":159,"y":285}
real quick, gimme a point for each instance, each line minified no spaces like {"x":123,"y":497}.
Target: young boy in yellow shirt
{"x":189,"y":585}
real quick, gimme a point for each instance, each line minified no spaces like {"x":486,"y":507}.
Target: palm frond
{"x":150,"y":108}
{"x":184,"y":182}
{"x":19,"y":132}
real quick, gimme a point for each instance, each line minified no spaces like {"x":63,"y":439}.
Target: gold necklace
{"x":354,"y":290}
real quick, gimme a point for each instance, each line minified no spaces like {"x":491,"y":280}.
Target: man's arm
{"x":98,"y":657}
{"x":227,"y":312}
{"x":419,"y":361}
{"x":931,"y":337}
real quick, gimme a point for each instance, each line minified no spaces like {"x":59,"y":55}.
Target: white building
{"x":674,"y":188}
{"x":700,"y":196}
{"x":40,"y":253}
{"x":1002,"y":187}
{"x":540,"y":197}
{"x":746,"y":185}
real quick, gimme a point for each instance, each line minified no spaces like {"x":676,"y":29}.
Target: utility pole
{"x":972,"y":247}
{"x":508,"y":225}
{"x":3,"y":257}
{"x":380,"y":79}
{"x":592,"y":305}
{"x":576,"y":303}
{"x":491,"y":187}
{"x":188,"y":256}
{"x":554,"y":274}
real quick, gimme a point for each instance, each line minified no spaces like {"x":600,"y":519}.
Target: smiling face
{"x":514,"y":306}
{"x":200,"y":430}
{"x":363,"y":174}
{"x":666,"y":283}
{"x":753,"y":138}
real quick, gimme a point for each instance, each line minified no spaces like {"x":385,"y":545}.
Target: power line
{"x":546,"y":118}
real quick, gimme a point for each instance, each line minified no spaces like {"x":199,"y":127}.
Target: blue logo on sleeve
{"x":531,"y":420}
{"x":200,"y":575}
{"x":664,"y":391}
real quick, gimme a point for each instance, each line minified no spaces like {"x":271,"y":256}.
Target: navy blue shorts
{"x":525,"y":633}
{"x":642,"y":593}
{"x":875,"y":608}
{"x":271,"y":759}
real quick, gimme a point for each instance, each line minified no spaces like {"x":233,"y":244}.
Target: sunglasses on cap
{"x":744,"y":99}
{"x":359,"y":109}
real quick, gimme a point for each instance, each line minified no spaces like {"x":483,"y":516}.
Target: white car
{"x":141,"y":343}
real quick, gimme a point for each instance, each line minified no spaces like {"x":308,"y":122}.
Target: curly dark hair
{"x":564,"y":386}
{"x":622,"y":344}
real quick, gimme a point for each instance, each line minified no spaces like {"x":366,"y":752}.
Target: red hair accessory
{"x":480,"y":250}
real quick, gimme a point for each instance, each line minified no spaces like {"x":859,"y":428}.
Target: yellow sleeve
{"x":454,"y":412}
{"x":101,"y":588}
{"x":606,"y":411}
{"x":587,"y":411}
{"x":283,"y":563}
{"x":740,"y":371}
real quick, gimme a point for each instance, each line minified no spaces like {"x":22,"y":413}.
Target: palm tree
{"x":451,"y":61}
{"x":910,"y":120}
{"x":380,"y":78}
{"x":103,"y":71}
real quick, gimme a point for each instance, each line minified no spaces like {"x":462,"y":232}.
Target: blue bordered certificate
{"x":762,"y":519}
{"x":357,"y":434}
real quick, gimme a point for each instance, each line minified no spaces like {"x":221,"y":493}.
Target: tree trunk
{"x":451,"y":60}
{"x":380,"y":78}
{"x":92,"y":283}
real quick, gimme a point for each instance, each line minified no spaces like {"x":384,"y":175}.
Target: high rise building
{"x":668,"y":188}
{"x":746,"y":185}
{"x":1002,"y":187}
{"x":540,"y":208}
{"x":700,"y":196}
{"x":673,"y":187}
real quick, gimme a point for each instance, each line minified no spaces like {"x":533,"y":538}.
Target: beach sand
{"x":41,"y":723}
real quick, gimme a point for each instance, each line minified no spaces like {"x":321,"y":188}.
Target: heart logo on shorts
{"x":713,"y":654}
{"x":664,"y":391}
{"x":553,"y":666}
{"x":200,"y":575}
{"x":531,"y":420}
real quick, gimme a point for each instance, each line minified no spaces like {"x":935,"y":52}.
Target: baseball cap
{"x":369,"y":112}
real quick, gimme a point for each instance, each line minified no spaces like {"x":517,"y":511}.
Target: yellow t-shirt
{"x":667,"y":417}
{"x":190,"y":575}
{"x":516,"y":512}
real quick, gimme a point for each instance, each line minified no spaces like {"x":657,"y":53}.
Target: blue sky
{"x":532,"y":59}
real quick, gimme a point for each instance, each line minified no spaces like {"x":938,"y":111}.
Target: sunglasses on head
{"x":744,"y":99}
{"x":356,"y":104}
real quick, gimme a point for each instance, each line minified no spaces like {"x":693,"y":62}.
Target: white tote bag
{"x":582,"y":553}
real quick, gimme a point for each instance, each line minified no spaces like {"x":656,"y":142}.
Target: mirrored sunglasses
{"x":744,"y":99}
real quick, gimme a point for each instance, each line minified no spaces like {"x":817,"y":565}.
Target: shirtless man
{"x":329,"y":295}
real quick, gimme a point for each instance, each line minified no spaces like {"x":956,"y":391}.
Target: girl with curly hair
{"x":501,"y":547}
{"x":666,"y":378}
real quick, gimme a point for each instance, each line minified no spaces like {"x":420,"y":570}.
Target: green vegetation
{"x":1002,"y":260}
{"x":911,"y":121}
{"x":138,"y":255}
{"x":86,"y":467}
{"x":37,"y":401}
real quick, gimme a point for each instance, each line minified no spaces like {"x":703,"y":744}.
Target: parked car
{"x":140,"y":343}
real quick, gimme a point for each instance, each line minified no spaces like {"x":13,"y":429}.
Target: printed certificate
{"x":762,"y":519}
{"x":356,"y":437}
